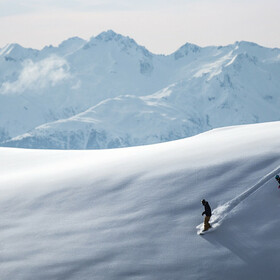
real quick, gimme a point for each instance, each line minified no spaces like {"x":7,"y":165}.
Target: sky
{"x":162,"y":26}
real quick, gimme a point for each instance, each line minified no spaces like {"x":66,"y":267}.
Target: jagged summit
{"x":9,"y":47}
{"x":15,"y":51}
{"x":71,"y":41}
{"x":186,"y":50}
{"x":149,"y":98}
{"x":190,"y":47}
{"x":109,"y":35}
{"x":124,"y":42}
{"x":247,"y":44}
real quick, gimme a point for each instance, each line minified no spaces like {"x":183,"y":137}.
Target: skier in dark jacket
{"x":278,"y":180}
{"x":208,"y":213}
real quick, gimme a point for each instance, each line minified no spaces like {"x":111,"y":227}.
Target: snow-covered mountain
{"x":132,"y":213}
{"x":110,"y":92}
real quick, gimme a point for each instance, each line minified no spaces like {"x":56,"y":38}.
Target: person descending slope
{"x":207,"y":212}
{"x":278,"y":180}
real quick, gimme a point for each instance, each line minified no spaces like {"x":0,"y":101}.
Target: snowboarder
{"x":278,"y":180}
{"x":207,"y":212}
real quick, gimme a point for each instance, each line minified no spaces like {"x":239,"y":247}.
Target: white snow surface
{"x":132,"y":213}
{"x":110,"y":92}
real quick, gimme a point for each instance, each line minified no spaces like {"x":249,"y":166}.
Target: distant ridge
{"x":110,"y":92}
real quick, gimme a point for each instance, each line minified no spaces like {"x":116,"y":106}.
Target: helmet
{"x":277,"y":177}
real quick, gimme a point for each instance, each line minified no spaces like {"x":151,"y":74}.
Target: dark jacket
{"x":278,"y":180}
{"x":207,"y":211}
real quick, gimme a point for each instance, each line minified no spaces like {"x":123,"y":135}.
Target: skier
{"x":207,"y":214}
{"x":278,"y":180}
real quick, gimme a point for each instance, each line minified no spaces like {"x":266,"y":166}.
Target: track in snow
{"x":221,"y":212}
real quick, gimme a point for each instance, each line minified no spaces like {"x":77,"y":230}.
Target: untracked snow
{"x":132,"y":213}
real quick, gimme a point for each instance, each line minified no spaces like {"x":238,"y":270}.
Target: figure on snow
{"x":207,"y":212}
{"x":278,"y":180}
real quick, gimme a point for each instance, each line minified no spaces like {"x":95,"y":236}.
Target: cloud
{"x":38,"y":75}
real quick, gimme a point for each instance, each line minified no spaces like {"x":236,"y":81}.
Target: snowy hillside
{"x":132,"y":213}
{"x":119,"y":122}
{"x":110,"y":92}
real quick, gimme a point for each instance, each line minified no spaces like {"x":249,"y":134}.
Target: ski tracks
{"x":221,"y":212}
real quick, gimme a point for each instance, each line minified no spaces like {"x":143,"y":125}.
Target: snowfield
{"x":132,"y":213}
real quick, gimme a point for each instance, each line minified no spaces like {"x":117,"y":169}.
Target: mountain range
{"x":109,"y":92}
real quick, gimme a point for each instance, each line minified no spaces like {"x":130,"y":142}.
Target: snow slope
{"x":132,"y":213}
{"x":77,"y":90}
{"x":120,"y":122}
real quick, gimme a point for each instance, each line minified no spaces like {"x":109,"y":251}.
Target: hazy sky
{"x":162,"y":26}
